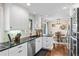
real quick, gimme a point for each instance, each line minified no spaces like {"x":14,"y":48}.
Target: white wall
{"x":36,"y":22}
{"x":20,"y":15}
{"x":56,"y":28}
{"x":32,"y":16}
{"x":1,"y":24}
{"x":12,"y":12}
{"x":16,"y":16}
{"x":7,"y":17}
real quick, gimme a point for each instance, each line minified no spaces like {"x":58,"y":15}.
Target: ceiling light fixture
{"x":64,"y":7}
{"x":28,"y":4}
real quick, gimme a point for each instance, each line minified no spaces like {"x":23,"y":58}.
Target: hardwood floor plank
{"x":59,"y":50}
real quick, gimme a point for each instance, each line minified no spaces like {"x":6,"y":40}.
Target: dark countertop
{"x":7,"y":45}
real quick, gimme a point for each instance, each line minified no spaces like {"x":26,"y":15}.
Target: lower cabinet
{"x":4,"y":53}
{"x":47,"y":42}
{"x":20,"y":50}
{"x":38,"y":44}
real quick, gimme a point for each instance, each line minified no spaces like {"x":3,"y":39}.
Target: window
{"x":45,"y":29}
{"x":30,"y":24}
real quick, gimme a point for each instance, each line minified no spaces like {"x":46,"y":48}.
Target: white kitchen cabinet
{"x":16,"y":17}
{"x":1,"y":24}
{"x":38,"y":44}
{"x":4,"y":53}
{"x":38,"y":22}
{"x":47,"y":42}
{"x":20,"y":50}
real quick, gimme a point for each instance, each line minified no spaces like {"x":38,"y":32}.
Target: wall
{"x":32,"y":17}
{"x":6,"y":17}
{"x":56,"y":28}
{"x":1,"y":24}
{"x":36,"y":22}
{"x":12,"y":12}
{"x":19,"y":16}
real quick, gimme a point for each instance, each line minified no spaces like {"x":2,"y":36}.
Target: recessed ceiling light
{"x":64,"y":7}
{"x":28,"y":4}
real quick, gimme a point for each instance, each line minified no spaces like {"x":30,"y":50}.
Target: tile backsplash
{"x":13,"y":33}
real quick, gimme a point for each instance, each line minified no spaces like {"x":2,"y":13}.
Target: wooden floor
{"x":58,"y":50}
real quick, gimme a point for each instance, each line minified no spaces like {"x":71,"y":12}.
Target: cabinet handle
{"x":19,"y":46}
{"x":20,"y":51}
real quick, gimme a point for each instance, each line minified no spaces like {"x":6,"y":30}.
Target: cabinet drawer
{"x":18,"y":53}
{"x":4,"y":53}
{"x":38,"y":44}
{"x":18,"y":49}
{"x":38,"y":47}
{"x":38,"y":40}
{"x":22,"y":53}
{"x":44,"y":44}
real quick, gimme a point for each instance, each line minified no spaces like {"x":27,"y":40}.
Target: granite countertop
{"x":7,"y":45}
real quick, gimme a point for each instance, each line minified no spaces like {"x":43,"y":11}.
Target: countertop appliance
{"x":31,"y":47}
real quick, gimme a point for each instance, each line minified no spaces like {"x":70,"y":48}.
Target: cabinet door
{"x":38,"y":22}
{"x":47,"y":42}
{"x":1,"y":24}
{"x":44,"y":42}
{"x":23,"y":50}
{"x":18,"y":18}
{"x":38,"y":44}
{"x":20,"y":50}
{"x":4,"y":53}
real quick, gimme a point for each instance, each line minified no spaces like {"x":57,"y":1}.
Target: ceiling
{"x":49,"y":9}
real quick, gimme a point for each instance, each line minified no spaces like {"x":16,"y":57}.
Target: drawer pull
{"x":19,"y":46}
{"x":20,"y":51}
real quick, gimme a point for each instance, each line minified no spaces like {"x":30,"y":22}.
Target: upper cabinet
{"x":38,"y":22}
{"x":1,"y":24}
{"x":32,"y":21}
{"x":35,"y":23}
{"x":16,"y":17}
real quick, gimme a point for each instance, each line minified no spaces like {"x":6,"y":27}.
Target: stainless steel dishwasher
{"x":31,"y":47}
